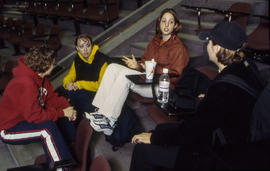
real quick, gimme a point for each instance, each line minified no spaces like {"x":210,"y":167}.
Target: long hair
{"x":227,"y":56}
{"x":176,"y":20}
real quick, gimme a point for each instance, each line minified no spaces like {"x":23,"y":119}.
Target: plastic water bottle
{"x":164,"y":86}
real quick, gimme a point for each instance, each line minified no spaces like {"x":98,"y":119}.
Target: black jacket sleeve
{"x":193,"y":131}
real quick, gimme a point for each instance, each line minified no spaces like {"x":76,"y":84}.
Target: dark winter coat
{"x":225,"y":106}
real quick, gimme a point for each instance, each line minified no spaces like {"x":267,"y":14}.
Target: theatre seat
{"x":100,"y":164}
{"x":99,"y":12}
{"x":238,"y":12}
{"x":6,"y":75}
{"x":16,"y":39}
{"x":259,"y":38}
{"x":52,"y":40}
{"x":6,"y":30}
{"x":240,"y":7}
{"x":65,"y":10}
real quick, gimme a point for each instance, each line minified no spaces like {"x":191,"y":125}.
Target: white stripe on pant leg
{"x":20,"y":136}
{"x":50,"y":145}
{"x":43,"y":133}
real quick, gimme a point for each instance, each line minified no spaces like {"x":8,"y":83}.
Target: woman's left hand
{"x":141,"y":138}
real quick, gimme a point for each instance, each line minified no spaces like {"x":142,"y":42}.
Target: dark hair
{"x":171,"y":11}
{"x":83,"y":36}
{"x":40,"y":58}
{"x":227,"y":56}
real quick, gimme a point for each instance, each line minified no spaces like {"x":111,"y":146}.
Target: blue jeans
{"x":80,"y":99}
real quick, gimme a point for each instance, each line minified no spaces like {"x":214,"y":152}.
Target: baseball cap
{"x":229,"y":35}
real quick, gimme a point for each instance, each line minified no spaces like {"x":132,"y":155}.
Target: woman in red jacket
{"x":166,"y":49}
{"x":29,"y":107}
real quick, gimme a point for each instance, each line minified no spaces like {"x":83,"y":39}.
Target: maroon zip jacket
{"x":20,"y":101}
{"x":171,"y":54}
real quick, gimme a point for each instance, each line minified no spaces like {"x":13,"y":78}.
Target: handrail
{"x":208,"y":8}
{"x":225,"y":11}
{"x":228,"y":13}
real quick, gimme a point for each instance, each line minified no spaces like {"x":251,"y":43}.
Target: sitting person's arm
{"x":69,"y":82}
{"x":163,"y":134}
{"x":190,"y":132}
{"x":70,"y":78}
{"x":37,"y":110}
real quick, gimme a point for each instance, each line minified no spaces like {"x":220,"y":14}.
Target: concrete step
{"x":26,"y":154}
{"x":190,"y":26}
{"x":6,"y":158}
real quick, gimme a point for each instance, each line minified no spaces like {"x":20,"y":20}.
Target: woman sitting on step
{"x":165,"y":48}
{"x":29,"y":108}
{"x":85,"y":75}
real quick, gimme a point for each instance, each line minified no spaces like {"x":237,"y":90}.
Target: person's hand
{"x":141,"y":138}
{"x":75,"y":86}
{"x":201,"y":96}
{"x":74,"y":116}
{"x":131,"y":62}
{"x":69,"y":86}
{"x":142,"y":65}
{"x":72,"y":86}
{"x":70,"y":113}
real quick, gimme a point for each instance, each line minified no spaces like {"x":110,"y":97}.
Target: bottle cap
{"x":165,"y":70}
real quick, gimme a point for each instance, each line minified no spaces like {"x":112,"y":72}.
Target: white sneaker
{"x":102,"y":126}
{"x":94,"y":116}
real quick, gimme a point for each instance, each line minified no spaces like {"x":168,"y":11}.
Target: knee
{"x":116,"y":68}
{"x":112,"y":67}
{"x":49,"y":126}
{"x":118,"y":73}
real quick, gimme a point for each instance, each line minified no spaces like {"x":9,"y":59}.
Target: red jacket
{"x":171,"y":54}
{"x":21,"y":102}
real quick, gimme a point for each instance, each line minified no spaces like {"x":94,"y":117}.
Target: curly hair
{"x":40,"y":58}
{"x":83,"y":36}
{"x":171,"y":11}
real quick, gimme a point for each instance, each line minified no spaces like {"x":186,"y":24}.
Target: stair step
{"x":26,"y":154}
{"x":194,"y":38}
{"x":192,"y":22}
{"x":139,"y":45}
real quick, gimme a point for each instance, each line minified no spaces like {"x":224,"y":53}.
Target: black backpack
{"x":127,"y":126}
{"x":260,"y":125}
{"x":260,"y":118}
{"x":184,"y":97}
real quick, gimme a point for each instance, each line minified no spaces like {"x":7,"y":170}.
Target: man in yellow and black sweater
{"x":85,"y":75}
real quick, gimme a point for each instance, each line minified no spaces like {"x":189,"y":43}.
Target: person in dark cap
{"x":225,"y":111}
